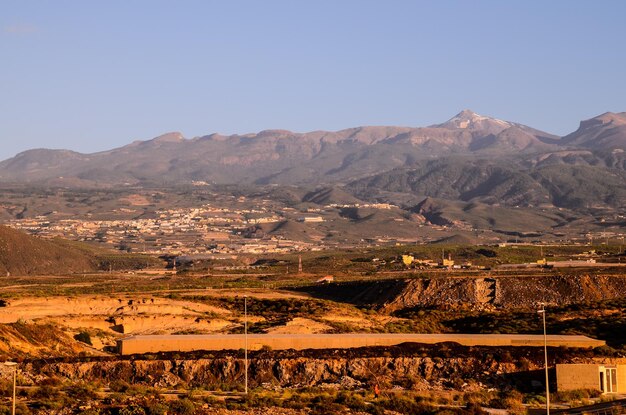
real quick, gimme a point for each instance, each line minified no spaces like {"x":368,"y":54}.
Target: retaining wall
{"x":188,"y":343}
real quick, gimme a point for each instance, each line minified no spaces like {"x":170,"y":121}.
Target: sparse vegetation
{"x":84,"y":337}
{"x":403,"y":393}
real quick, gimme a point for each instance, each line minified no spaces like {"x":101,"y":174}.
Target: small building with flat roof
{"x":607,"y":378}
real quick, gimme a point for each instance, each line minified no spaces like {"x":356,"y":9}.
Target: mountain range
{"x":469,"y":158}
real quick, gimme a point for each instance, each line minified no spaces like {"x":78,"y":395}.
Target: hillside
{"x":328,"y":196}
{"x":503,"y":182}
{"x":23,"y":254}
{"x":294,"y":230}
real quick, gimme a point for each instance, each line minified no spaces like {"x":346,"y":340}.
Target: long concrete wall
{"x":188,"y":343}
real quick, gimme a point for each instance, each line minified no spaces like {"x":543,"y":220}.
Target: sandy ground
{"x":40,"y":307}
{"x":351,"y":319}
{"x":301,"y":325}
{"x":110,"y":317}
{"x":250,"y":292}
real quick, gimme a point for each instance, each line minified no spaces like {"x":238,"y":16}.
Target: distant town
{"x":234,"y":225}
{"x":205,"y":230}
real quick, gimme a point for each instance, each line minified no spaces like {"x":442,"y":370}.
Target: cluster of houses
{"x":184,"y":231}
{"x":410,"y":261}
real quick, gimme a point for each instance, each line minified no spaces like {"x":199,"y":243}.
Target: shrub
{"x":119,"y":386}
{"x":405,"y":405}
{"x":351,"y":400}
{"x":296,"y":401}
{"x":262,"y":400}
{"x":487,"y":253}
{"x":84,"y":337}
{"x":20,"y":409}
{"x":576,"y":395}
{"x":47,"y":397}
{"x":139,"y":390}
{"x":476,"y":398}
{"x":510,"y":400}
{"x":81,"y":392}
{"x":50,"y":381}
{"x":132,"y":410}
{"x":155,"y":408}
{"x":474,"y":409}
{"x":6,"y":387}
{"x":327,"y":408}
{"x":182,"y":407}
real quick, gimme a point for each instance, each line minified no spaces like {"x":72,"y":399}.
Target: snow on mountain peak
{"x":469,"y":119}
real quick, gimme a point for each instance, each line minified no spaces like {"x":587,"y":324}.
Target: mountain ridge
{"x":468,"y":157}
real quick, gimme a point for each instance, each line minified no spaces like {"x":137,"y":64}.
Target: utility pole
{"x":300,"y":264}
{"x":545,"y":350}
{"x":14,"y":366}
{"x":245,"y":330}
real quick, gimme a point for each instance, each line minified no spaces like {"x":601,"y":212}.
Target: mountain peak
{"x":173,"y":137}
{"x":605,"y":131}
{"x":468,"y":119}
{"x":468,"y":114}
{"x":608,"y":117}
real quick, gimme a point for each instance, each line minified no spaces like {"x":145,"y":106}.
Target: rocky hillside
{"x":420,"y":366}
{"x":21,"y":339}
{"x":520,"y":293}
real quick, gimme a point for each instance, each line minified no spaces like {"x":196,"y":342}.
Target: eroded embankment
{"x":481,"y":292}
{"x":410,"y":365}
{"x":20,"y":339}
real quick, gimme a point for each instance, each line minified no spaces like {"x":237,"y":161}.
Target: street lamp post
{"x":14,"y":366}
{"x":545,"y":351}
{"x":245,"y":330}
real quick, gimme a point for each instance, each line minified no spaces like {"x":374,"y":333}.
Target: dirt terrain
{"x":362,"y":306}
{"x":69,"y":337}
{"x":107,"y":318}
{"x":417,"y":366}
{"x":479,"y":292}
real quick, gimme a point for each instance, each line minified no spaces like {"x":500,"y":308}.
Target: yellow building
{"x":448,"y":263}
{"x":407,"y":259}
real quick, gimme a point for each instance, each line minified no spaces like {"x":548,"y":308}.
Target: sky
{"x":95,"y":75}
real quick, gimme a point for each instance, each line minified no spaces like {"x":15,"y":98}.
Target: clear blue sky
{"x":93,"y":75}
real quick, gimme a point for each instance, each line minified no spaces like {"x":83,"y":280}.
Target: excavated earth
{"x":481,"y":292}
{"x":416,"y":366}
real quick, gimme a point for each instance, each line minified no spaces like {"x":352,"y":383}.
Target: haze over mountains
{"x":469,"y":158}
